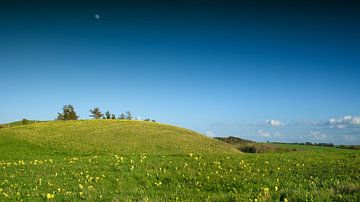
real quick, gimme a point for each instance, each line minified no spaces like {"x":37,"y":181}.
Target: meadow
{"x":116,"y":160}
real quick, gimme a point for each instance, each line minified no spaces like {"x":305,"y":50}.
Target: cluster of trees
{"x":97,"y":114}
{"x":354,"y":147}
{"x":320,"y":144}
{"x":68,"y":113}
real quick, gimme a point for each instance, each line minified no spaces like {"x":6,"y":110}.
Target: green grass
{"x":19,"y":123}
{"x":116,"y":136}
{"x":42,"y":161}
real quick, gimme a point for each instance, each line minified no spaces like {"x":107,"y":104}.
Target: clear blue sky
{"x":262,"y":70}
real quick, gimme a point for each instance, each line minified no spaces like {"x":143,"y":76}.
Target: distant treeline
{"x":321,"y":144}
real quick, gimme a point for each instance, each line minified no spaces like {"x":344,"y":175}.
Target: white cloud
{"x":356,"y":120}
{"x":274,"y":122}
{"x":264,"y":133}
{"x":317,"y":135}
{"x":349,"y":138}
{"x":277,"y":134}
{"x":209,"y":133}
{"x":344,"y":122}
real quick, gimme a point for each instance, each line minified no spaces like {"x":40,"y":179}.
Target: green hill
{"x":18,"y":123}
{"x":115,"y":136}
{"x":114,"y":160}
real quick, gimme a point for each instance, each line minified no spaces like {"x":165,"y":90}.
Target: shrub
{"x":248,"y":149}
{"x":24,"y":121}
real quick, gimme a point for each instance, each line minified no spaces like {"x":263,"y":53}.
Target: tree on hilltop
{"x":68,"y":113}
{"x":96,"y":113}
{"x":24,"y":121}
{"x":129,"y":115}
{"x":122,"y":116}
{"x":107,"y":115}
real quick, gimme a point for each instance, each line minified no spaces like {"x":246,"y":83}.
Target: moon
{"x":97,"y":16}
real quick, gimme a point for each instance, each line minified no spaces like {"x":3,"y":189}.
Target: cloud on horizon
{"x":344,"y":122}
{"x":209,"y":133}
{"x":317,"y":135}
{"x":341,"y":130}
{"x":275,"y":123}
{"x":263,"y":133}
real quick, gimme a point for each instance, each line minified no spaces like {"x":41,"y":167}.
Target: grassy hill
{"x":18,"y":123}
{"x":113,"y":160}
{"x":115,"y":136}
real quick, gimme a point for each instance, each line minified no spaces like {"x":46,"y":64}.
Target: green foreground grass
{"x":32,"y":170}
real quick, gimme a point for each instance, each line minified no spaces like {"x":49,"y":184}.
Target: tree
{"x":129,"y":115}
{"x":113,"y":116}
{"x":24,"y":121}
{"x":68,"y":113}
{"x":107,"y":115}
{"x":122,"y":116}
{"x":96,"y":113}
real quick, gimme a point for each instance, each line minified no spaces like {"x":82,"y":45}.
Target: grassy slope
{"x":19,"y":123}
{"x":115,"y":136}
{"x":30,"y":169}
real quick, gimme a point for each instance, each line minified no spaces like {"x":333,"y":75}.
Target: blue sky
{"x":262,"y":70}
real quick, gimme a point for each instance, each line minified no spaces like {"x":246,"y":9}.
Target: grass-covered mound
{"x":115,"y":136}
{"x":93,"y":161}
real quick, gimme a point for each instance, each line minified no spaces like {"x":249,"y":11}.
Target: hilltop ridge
{"x":116,"y":136}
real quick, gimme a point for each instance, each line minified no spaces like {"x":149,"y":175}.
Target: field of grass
{"x":115,"y":160}
{"x":18,"y":123}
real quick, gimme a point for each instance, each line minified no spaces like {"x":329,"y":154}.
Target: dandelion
{"x":158,"y":184}
{"x":50,"y":196}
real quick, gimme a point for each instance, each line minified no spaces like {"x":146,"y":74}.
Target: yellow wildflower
{"x":50,"y":196}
